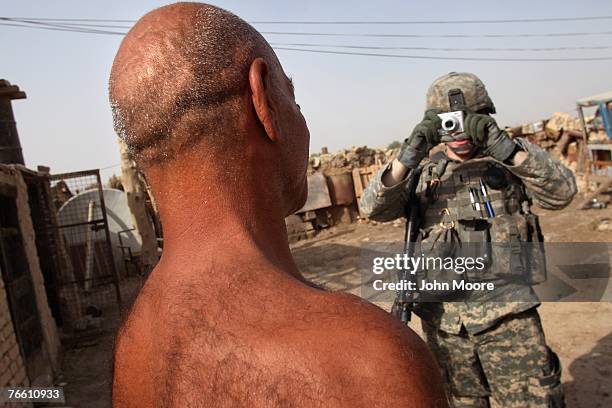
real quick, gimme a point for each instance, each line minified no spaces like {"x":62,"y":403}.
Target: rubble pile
{"x":548,"y":133}
{"x":558,"y":134}
{"x":345,"y":161}
{"x":559,"y":122}
{"x":559,"y":131}
{"x":561,"y":135}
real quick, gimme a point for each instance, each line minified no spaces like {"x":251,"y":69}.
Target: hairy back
{"x":302,"y":347}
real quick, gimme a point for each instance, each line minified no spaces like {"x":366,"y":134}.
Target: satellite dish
{"x":75,"y":219}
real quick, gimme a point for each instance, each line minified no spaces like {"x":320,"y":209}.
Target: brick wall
{"x":51,"y":338}
{"x":46,"y":362}
{"x":12,"y":369}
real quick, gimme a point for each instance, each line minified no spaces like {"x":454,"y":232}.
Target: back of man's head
{"x":179,"y":76}
{"x":198,"y":94}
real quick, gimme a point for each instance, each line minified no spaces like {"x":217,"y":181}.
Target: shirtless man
{"x":226,"y":319}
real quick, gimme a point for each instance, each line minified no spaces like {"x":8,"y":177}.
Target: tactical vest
{"x":456,"y":223}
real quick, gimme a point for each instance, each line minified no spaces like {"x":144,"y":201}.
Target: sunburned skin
{"x":226,"y":319}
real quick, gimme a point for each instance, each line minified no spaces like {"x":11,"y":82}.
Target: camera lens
{"x":450,"y":124}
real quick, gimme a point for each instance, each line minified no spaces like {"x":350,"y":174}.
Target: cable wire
{"x":430,"y":57}
{"x":392,"y":35}
{"x":424,"y":22}
{"x":57,"y":29}
{"x":110,"y":167}
{"x":92,"y":20}
{"x":63,"y":27}
{"x":376,"y":35}
{"x":30,"y":23}
{"x":374,"y":47}
{"x":357,"y":22}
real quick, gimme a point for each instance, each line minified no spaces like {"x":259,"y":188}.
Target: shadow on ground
{"x":598,"y":362}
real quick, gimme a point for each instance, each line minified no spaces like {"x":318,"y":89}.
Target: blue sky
{"x":347,"y":100}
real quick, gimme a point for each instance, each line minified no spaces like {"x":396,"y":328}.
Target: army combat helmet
{"x":474,"y":92}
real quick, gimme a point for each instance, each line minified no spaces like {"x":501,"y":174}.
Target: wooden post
{"x":583,"y":148}
{"x":136,"y":194}
{"x":10,"y":146}
{"x":90,"y":249}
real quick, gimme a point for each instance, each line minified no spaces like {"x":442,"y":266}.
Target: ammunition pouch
{"x":508,"y":233}
{"x":437,"y":243}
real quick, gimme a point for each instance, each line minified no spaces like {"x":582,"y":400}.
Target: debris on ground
{"x":604,"y":224}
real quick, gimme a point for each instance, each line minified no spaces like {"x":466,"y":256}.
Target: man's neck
{"x":214,"y":223}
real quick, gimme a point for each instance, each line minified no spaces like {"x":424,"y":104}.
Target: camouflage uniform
{"x":490,"y":345}
{"x":508,"y":365}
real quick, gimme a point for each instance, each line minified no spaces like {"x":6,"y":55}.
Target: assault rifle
{"x":404,"y":298}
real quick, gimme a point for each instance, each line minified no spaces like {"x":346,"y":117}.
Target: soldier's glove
{"x":422,"y":139}
{"x":485,"y":133}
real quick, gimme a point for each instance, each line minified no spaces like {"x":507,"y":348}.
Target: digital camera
{"x":452,"y":122}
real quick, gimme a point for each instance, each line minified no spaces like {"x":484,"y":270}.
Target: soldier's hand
{"x":422,"y":139}
{"x":484,"y":132}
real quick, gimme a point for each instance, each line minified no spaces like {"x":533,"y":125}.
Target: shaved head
{"x":179,"y":76}
{"x":211,"y":118}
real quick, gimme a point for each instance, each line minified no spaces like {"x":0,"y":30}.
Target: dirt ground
{"x":580,"y":332}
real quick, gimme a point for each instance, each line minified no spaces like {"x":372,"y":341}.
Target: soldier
{"x":489,"y":345}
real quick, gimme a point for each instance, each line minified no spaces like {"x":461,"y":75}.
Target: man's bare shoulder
{"x":377,"y":355}
{"x":308,"y":346}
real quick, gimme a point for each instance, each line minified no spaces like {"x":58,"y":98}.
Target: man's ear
{"x":259,"y":81}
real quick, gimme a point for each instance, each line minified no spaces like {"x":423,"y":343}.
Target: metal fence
{"x":89,"y":284}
